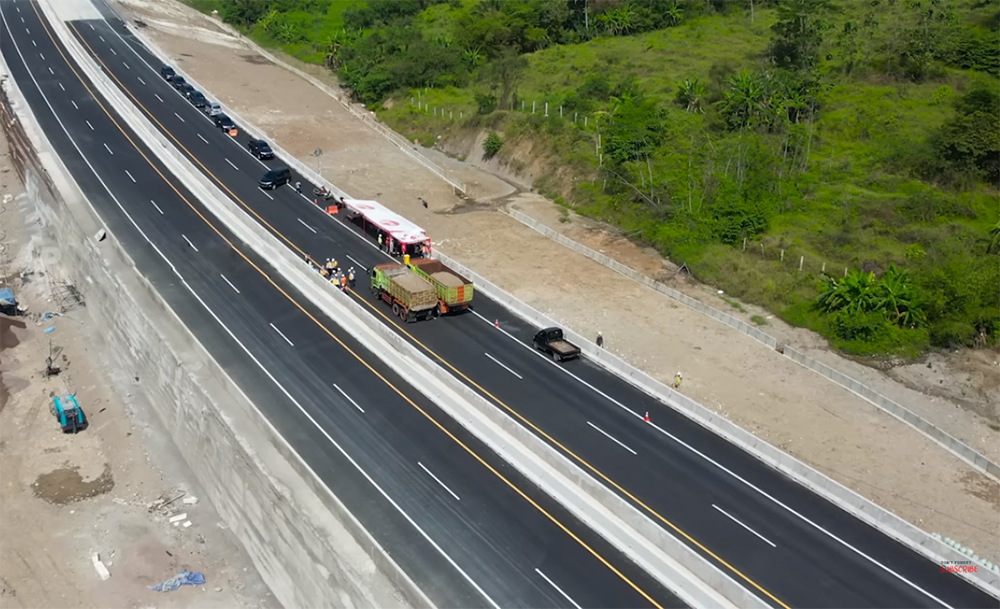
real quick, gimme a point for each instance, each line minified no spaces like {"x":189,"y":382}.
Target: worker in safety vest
{"x":343,"y":282}
{"x":423,"y":250}
{"x":380,"y":240}
{"x":331,"y":264}
{"x":325,"y":273}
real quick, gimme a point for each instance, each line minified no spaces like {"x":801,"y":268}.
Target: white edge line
{"x":282,"y":335}
{"x":725,"y":469}
{"x":224,"y":278}
{"x":306,"y":225}
{"x":348,"y":398}
{"x":612,"y":438}
{"x":557,"y":588}
{"x":503,"y":365}
{"x":730,"y":516}
{"x":438,"y":480}
{"x":900,"y":577}
{"x":267,"y":372}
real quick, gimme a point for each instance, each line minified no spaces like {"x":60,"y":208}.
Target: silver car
{"x":212,"y":108}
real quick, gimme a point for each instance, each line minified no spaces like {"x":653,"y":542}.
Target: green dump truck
{"x":454,"y":292}
{"x":411,"y":297}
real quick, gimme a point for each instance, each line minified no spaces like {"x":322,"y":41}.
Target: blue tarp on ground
{"x":184,"y":578}
{"x":7,"y":297}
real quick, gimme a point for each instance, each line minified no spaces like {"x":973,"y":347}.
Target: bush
{"x":491,"y":145}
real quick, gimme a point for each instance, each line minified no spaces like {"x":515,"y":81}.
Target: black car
{"x":224,"y":122}
{"x":167,"y":72}
{"x":276,"y":177}
{"x":178,"y":82}
{"x":197,"y":99}
{"x":187,"y":90}
{"x":260,"y":149}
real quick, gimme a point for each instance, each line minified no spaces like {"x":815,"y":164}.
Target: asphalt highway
{"x":464,"y":524}
{"x":776,"y":538}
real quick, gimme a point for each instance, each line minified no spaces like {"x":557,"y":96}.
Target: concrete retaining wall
{"x":310,"y":550}
{"x":884,"y":520}
{"x":946,"y":440}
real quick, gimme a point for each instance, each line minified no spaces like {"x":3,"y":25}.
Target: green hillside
{"x":836,"y":162}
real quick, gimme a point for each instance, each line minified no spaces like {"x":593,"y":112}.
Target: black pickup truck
{"x":551,"y":341}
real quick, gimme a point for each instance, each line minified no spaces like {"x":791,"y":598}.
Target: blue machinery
{"x":68,"y":413}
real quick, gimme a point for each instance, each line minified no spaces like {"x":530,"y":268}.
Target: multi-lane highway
{"x":777,"y":539}
{"x":466,"y":526}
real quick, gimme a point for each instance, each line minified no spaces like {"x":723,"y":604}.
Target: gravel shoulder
{"x":789,"y":406}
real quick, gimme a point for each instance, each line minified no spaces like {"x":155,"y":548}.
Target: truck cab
{"x":552,"y":342}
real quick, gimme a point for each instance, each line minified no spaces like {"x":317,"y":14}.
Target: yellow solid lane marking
{"x":389,"y":384}
{"x":586,"y":464}
{"x":569,"y":452}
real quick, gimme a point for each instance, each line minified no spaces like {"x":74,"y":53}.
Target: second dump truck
{"x":411,"y":298}
{"x":454,"y":292}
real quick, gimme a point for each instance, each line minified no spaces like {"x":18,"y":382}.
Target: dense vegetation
{"x":763,"y":142}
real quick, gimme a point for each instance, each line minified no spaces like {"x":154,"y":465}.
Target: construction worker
{"x":677,"y":380}
{"x":343,"y":282}
{"x":298,"y":187}
{"x":600,"y":340}
{"x":350,"y":277}
{"x":331,"y":264}
{"x":333,"y":279}
{"x":324,"y":272}
{"x":380,"y":240}
{"x":307,"y":258}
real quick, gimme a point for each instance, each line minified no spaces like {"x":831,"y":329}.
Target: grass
{"x":851,"y":203}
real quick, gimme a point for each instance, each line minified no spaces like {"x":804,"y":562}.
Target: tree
{"x":969,"y":140}
{"x":797,"y":35}
{"x":505,"y":73}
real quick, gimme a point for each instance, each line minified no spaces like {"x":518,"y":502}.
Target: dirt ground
{"x":789,"y":406}
{"x":64,"y":496}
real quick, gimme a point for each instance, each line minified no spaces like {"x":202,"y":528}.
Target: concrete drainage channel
{"x":653,"y":545}
{"x":673,"y":564}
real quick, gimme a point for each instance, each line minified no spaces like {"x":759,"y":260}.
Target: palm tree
{"x":856,"y":292}
{"x":674,"y":15}
{"x":994,"y":246}
{"x":689,"y":94}
{"x":898,"y":299}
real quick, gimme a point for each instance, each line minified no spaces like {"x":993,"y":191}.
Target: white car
{"x":212,"y":108}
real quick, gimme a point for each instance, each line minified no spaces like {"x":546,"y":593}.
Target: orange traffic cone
{"x":496,"y":324}
{"x":646,"y":418}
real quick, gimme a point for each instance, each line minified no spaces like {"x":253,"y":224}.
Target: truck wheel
{"x":556,"y":357}
{"x":395,"y":309}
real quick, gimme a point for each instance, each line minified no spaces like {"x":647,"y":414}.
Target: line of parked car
{"x":258,"y":148}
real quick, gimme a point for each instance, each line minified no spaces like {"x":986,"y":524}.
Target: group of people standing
{"x":331,"y":270}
